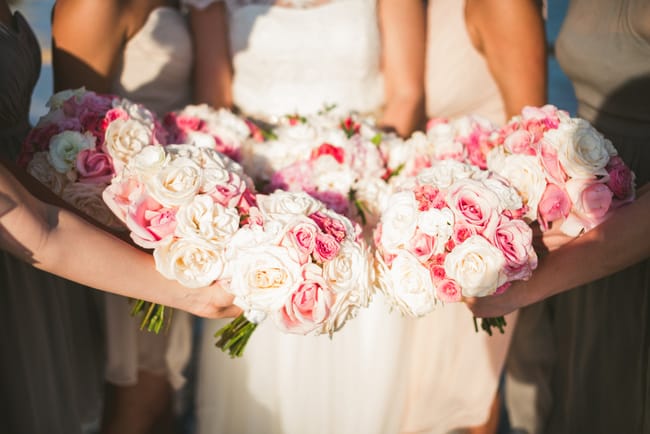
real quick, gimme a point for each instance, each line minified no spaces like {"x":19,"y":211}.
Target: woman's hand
{"x":513,"y":298}
{"x":210,"y":302}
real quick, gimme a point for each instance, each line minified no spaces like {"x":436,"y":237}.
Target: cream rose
{"x":408,"y":283}
{"x":477,"y":266}
{"x":399,"y":220}
{"x":284,"y":206}
{"x":437,"y":223}
{"x":192,"y":262}
{"x":204,"y":219}
{"x":444,"y":173}
{"x":65,"y":146}
{"x":149,"y":161}
{"x":126,"y":138}
{"x":176,"y":184}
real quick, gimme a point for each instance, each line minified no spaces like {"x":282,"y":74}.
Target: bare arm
{"x":510,"y":34}
{"x":87,"y":39}
{"x":60,"y":242}
{"x":617,"y":243}
{"x":402,"y":24}
{"x":212,"y":68}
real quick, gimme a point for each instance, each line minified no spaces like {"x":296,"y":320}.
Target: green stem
{"x":233,"y":337}
{"x":488,"y":323}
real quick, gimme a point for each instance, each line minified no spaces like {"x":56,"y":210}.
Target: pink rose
{"x":520,"y":142}
{"x":553,"y":205}
{"x":113,"y":115}
{"x":229,"y":193}
{"x":302,"y":238}
{"x":329,"y":225}
{"x":295,"y":177}
{"x":428,"y":197}
{"x":335,"y":201}
{"x":325,"y":247}
{"x":436,"y":121}
{"x":448,"y":291}
{"x":501,"y":289}
{"x":621,"y":179}
{"x":150,"y":222}
{"x":422,"y":245}
{"x":246,"y":202}
{"x":94,"y":167}
{"x":119,"y":196}
{"x":514,"y":238}
{"x":475,"y":205}
{"x":591,"y":201}
{"x":551,"y":163}
{"x":307,"y":308}
{"x":326,"y":149}
{"x":437,"y":272}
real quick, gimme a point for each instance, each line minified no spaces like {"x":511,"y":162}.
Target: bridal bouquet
{"x":82,"y":142}
{"x":296,"y":261}
{"x":467,"y":139}
{"x":186,"y":203}
{"x":565,"y":170}
{"x":454,"y":232}
{"x":204,"y":126}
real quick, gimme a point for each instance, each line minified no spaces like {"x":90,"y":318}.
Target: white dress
{"x":285,"y":60}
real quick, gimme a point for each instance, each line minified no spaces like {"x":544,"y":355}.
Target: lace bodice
{"x":288,"y":59}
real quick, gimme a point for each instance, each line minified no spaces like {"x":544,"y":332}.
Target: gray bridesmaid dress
{"x":51,"y":337}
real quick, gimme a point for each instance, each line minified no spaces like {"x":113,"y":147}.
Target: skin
{"x":41,"y":234}
{"x":510,"y":35}
{"x":626,"y":232}
{"x":402,"y":35}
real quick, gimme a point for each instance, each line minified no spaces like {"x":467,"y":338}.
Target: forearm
{"x":404,"y":113}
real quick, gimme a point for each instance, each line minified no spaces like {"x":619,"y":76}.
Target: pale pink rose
{"x":555,"y":204}
{"x":514,"y":238}
{"x":302,"y":238}
{"x":551,"y":163}
{"x":150,"y":222}
{"x":325,"y":247}
{"x":295,"y":177}
{"x":547,"y":115}
{"x":474,"y":204}
{"x":422,"y":246}
{"x":94,"y":167}
{"x":520,"y":142}
{"x":591,"y":201}
{"x":329,"y":225}
{"x":307,"y":308}
{"x":118,"y":196}
{"x":448,"y":291}
{"x":621,"y":179}
{"x":228,"y":194}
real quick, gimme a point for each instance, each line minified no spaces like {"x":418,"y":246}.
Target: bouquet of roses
{"x":204,"y":126}
{"x":79,"y":145}
{"x":186,"y":203}
{"x":298,"y":262}
{"x":565,"y":170}
{"x":455,"y":231}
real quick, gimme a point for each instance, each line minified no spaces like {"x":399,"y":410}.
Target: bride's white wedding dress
{"x":289,"y":59}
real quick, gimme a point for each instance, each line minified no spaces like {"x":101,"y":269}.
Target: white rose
{"x":88,"y":198}
{"x":192,"y":262}
{"x":438,"y":223}
{"x":201,"y":140}
{"x":408,"y":284}
{"x":476,"y":265}
{"x":176,"y":184}
{"x":442,"y":137}
{"x":183,"y":150}
{"x":263,"y":275}
{"x":204,"y":219}
{"x":231,"y":122}
{"x":149,"y":161}
{"x":399,"y":220}
{"x":400,"y":154}
{"x":372,"y":194}
{"x":65,"y":146}
{"x":444,"y":173}
{"x":283,"y":206}
{"x":582,"y":151}
{"x":41,"y":169}
{"x":56,"y":101}
{"x":507,"y":194}
{"x":126,"y":138}
{"x":329,"y":175}
{"x":136,"y":112}
{"x":526,"y":174}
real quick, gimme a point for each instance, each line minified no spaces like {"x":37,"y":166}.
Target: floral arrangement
{"x":297,"y":262}
{"x":564,"y":169}
{"x":186,"y":203}
{"x":454,"y":232}
{"x":204,"y":126}
{"x":82,"y":142}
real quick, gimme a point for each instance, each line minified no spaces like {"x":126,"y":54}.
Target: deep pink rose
{"x":112,"y":115}
{"x":326,"y":149}
{"x":621,"y":179}
{"x":437,"y":272}
{"x":329,"y":225}
{"x":246,"y":202}
{"x":94,"y":167}
{"x":448,"y":291}
{"x":428,"y":197}
{"x":307,"y":308}
{"x":150,"y":222}
{"x":514,"y":238}
{"x":325,"y":247}
{"x":553,"y":205}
